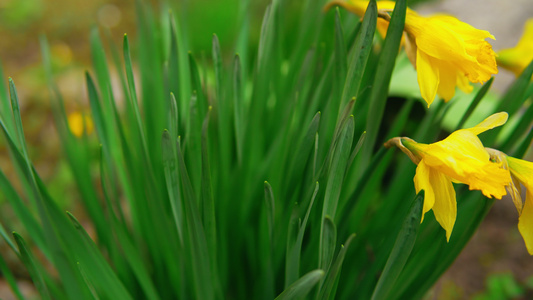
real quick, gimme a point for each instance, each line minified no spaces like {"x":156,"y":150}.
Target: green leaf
{"x":29,"y":261}
{"x":340,"y":60}
{"x":198,"y":245}
{"x":361,"y":51}
{"x":302,"y":286}
{"x":238,"y":106}
{"x":8,"y":275}
{"x":480,"y":94}
{"x":171,"y":176}
{"x":270,"y":209}
{"x":327,"y":290}
{"x":327,"y":243}
{"x":337,"y":172}
{"x":380,"y":87}
{"x":402,"y":249}
{"x":294,"y":245}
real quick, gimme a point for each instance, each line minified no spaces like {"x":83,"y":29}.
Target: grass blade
{"x":378,"y":96}
{"x":401,"y":250}
{"x":302,"y":286}
{"x":29,"y":261}
{"x":360,"y":53}
{"x":327,"y":290}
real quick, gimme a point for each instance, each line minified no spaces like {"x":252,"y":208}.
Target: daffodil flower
{"x":445,"y":51}
{"x":80,"y":123}
{"x":521,"y":174}
{"x":460,"y":158}
{"x":518,"y":58}
{"x":359,"y":8}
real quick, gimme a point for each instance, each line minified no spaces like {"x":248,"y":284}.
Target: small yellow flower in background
{"x":460,"y":158}
{"x":521,"y":174}
{"x":77,"y":122}
{"x":518,"y":58}
{"x":445,"y":51}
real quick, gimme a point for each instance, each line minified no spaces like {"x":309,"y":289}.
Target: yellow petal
{"x":525,"y":222}
{"x":523,"y":170}
{"x":518,"y":58}
{"x":469,"y":32}
{"x":445,"y":207}
{"x":428,"y":76}
{"x":495,"y":120}
{"x":422,"y":182}
{"x":447,"y":79}
{"x":462,"y":157}
{"x":435,"y":40}
{"x":439,"y":195}
{"x":463,"y":83}
{"x":356,"y":7}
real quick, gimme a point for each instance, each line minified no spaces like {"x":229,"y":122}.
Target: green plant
{"x":180,"y":205}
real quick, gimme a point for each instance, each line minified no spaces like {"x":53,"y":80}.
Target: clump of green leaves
{"x":254,"y":175}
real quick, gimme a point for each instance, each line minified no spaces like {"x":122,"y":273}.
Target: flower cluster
{"x":448,"y":53}
{"x":462,"y":158}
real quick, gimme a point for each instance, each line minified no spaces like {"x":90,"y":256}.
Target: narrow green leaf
{"x":327,"y":290}
{"x":16,"y":117}
{"x":8,"y":275}
{"x":172,"y":180}
{"x":30,"y":262}
{"x":96,"y":268}
{"x":208,"y":203}
{"x":173,"y":118}
{"x":526,"y":143}
{"x":270,"y":209}
{"x":338,"y":170}
{"x":356,"y":149}
{"x":480,"y":94}
{"x":302,"y":154}
{"x":524,"y":124}
{"x":294,"y":247}
{"x":327,"y":243}
{"x":198,"y":245}
{"x":302,"y":286}
{"x":361,"y":52}
{"x":380,"y":87}
{"x":196,"y":84}
{"x":402,"y":249}
{"x":340,"y":60}
{"x":238,"y":106}
{"x":514,"y":96}
{"x":133,"y":103}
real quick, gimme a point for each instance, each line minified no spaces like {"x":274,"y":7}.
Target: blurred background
{"x":494,"y":265}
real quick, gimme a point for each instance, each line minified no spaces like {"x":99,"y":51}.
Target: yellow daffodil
{"x":359,"y":8}
{"x":80,"y":124}
{"x":518,"y":58}
{"x":521,"y":174}
{"x":459,"y":158}
{"x":445,"y":51}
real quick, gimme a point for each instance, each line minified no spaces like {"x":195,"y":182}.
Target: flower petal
{"x":495,"y":120}
{"x":447,"y":79}
{"x":439,"y":195}
{"x":466,"y":30}
{"x":525,"y":222}
{"x":435,"y":40}
{"x":462,"y":157}
{"x":422,"y":182}
{"x":428,"y":76}
{"x":445,"y":207}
